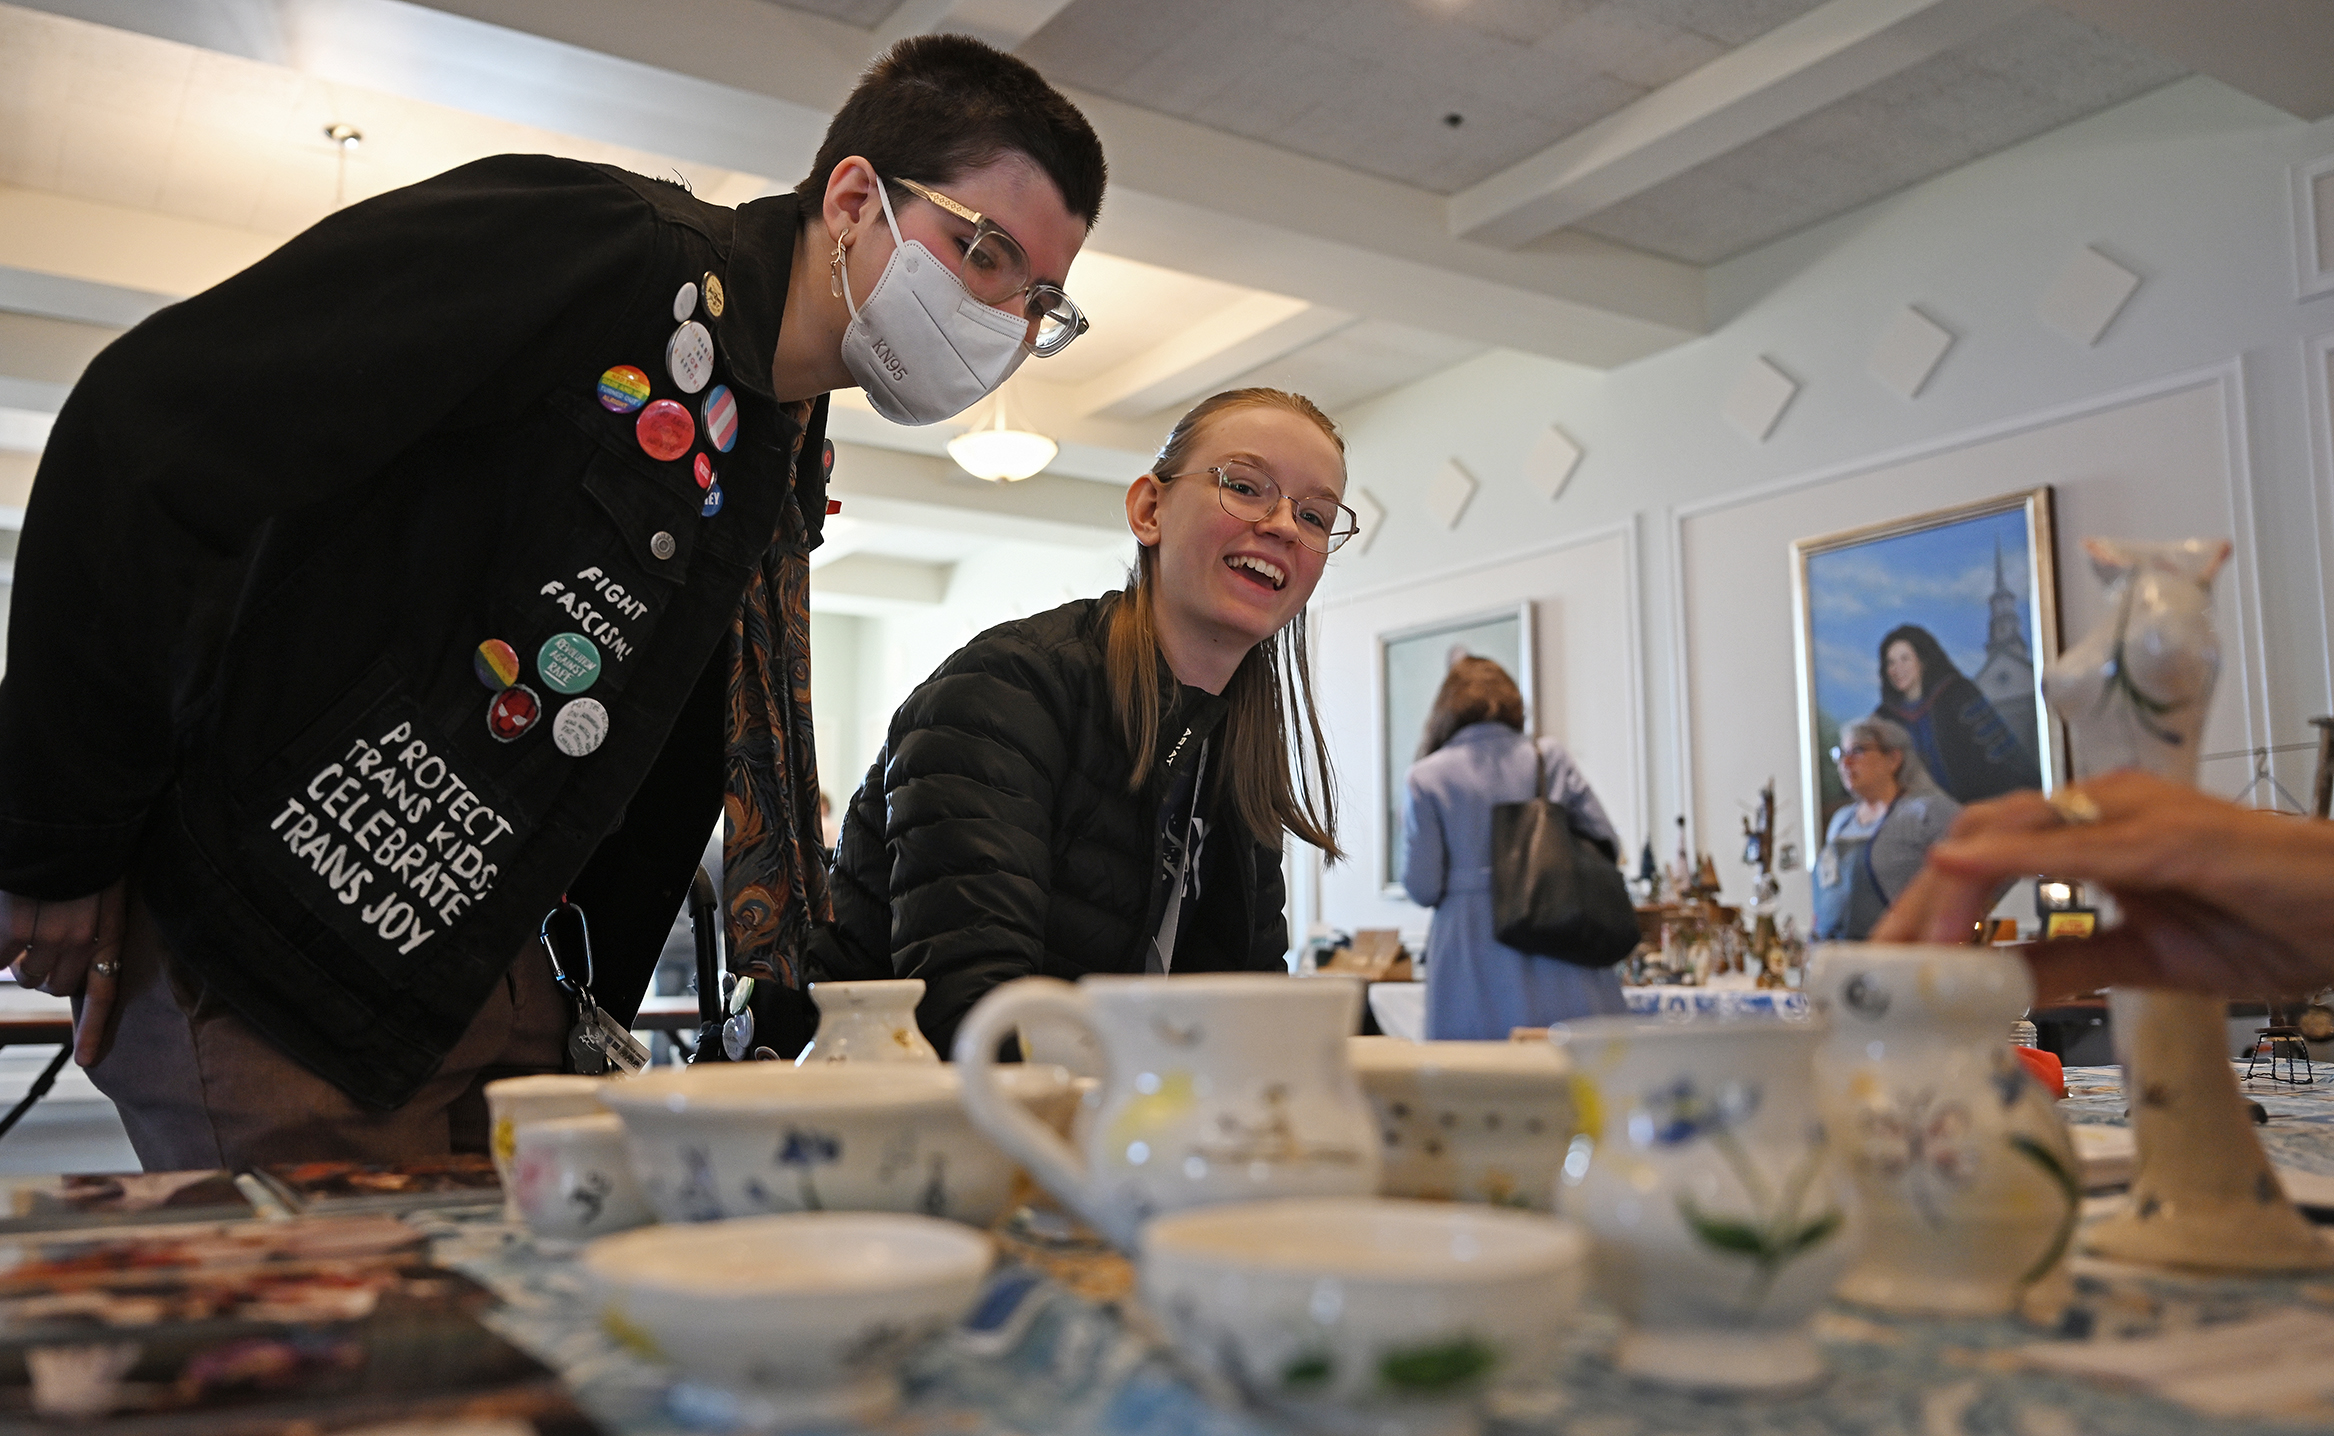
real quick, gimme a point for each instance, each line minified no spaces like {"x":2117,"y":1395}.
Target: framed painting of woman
{"x":1940,"y":623}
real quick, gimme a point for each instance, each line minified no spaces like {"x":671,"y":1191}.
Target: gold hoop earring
{"x":835,"y":266}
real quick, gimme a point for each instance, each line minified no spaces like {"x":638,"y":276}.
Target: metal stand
{"x":705,"y":927}
{"x":2287,"y":1043}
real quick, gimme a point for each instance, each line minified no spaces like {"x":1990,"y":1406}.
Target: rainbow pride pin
{"x":623,"y":389}
{"x":496,"y":663}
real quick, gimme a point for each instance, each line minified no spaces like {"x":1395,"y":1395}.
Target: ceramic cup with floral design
{"x":736,"y":1139}
{"x":573,"y":1180}
{"x":1969,"y":1183}
{"x":1468,"y":1121}
{"x":512,"y":1102}
{"x":1701,"y":1171}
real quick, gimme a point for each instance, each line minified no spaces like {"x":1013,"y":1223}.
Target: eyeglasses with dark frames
{"x":1249,"y":495}
{"x":997,"y":272}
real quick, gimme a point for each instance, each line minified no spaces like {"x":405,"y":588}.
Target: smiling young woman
{"x":1106,"y":787}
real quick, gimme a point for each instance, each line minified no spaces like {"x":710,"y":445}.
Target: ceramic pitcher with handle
{"x":1220,"y":1087}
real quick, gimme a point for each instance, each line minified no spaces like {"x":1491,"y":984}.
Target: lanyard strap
{"x":1864,"y":858}
{"x":1162,"y":959}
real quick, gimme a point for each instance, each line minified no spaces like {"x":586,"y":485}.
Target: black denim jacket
{"x":271,"y":529}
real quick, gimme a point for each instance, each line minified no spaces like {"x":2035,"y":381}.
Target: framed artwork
{"x":1940,"y":623}
{"x":1411,"y":665}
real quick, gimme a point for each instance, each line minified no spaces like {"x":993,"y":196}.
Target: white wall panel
{"x":1585,"y":656}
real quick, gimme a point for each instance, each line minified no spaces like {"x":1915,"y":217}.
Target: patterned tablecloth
{"x":1716,"y":1001}
{"x":1057,"y":1347}
{"x":1400,"y":1007}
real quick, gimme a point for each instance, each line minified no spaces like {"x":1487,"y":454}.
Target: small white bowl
{"x":1468,"y":1121}
{"x":747,"y":1138}
{"x":810,"y":1314}
{"x":1364,"y":1312}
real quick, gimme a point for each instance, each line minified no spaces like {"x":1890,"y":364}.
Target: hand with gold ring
{"x":2215,"y":897}
{"x":69,"y":948}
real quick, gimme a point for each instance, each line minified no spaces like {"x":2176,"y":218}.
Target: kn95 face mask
{"x":922,"y":347}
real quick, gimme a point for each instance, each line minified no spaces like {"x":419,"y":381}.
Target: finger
{"x":90,"y":1032}
{"x":1936,"y":907}
{"x":2017,"y":812}
{"x":2076,"y":967}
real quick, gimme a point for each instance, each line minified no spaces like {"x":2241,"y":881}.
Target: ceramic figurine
{"x":1969,"y":1182}
{"x":2133,"y":694}
{"x":1222,"y":1087}
{"x":868,"y":1022}
{"x":1720,"y":1221}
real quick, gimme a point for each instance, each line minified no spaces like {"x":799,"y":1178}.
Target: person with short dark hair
{"x":450,"y":563}
{"x":1473,"y":757}
{"x":1105,"y":787}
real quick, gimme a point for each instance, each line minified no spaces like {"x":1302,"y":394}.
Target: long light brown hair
{"x":1476,"y":690}
{"x":1279,"y":782}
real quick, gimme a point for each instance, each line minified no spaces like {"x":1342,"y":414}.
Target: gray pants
{"x":198,"y":1088}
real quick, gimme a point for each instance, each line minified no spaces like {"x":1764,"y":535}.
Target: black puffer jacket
{"x":995,"y":837}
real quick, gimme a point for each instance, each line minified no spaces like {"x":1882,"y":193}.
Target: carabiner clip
{"x":559,"y":973}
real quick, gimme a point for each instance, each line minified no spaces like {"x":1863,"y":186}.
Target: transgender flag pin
{"x":721,"y":418}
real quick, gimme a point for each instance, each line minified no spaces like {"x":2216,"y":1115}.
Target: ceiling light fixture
{"x":348,"y":137}
{"x":999,"y":453}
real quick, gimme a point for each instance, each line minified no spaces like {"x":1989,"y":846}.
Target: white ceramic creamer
{"x":1720,"y":1220}
{"x":868,"y":1022}
{"x":1221,"y":1087}
{"x":1969,"y":1181}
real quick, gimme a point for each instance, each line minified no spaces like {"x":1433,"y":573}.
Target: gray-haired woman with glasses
{"x":1877,"y":841}
{"x":1106,"y":787}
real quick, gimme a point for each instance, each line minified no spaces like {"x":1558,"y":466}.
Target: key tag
{"x":597,"y":1042}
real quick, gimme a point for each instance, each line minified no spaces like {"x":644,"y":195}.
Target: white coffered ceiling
{"x":1340,"y":196}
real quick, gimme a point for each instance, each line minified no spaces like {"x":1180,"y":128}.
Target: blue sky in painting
{"x":1939,"y":578}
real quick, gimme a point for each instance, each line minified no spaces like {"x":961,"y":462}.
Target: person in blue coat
{"x":1475,"y":756}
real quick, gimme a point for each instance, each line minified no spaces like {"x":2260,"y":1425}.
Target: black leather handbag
{"x":1555,"y":893}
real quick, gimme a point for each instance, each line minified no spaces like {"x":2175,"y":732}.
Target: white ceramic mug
{"x":1221,"y":1087}
{"x":1721,"y":1222}
{"x":574,"y":1181}
{"x":1969,"y":1182}
{"x":872,"y":1021}
{"x":513,"y":1102}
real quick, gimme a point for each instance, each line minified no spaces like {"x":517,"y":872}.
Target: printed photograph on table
{"x":1411,"y":664}
{"x":1941,"y":624}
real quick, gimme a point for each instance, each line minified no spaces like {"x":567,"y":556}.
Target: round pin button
{"x":704,"y":468}
{"x":665,"y":429}
{"x":623,"y":389}
{"x":712,"y":504}
{"x":720,"y":411}
{"x":684,"y":302}
{"x":689,"y":356}
{"x":568,"y":663}
{"x":513,"y":711}
{"x":715,"y":300}
{"x":661,"y":544}
{"x":580,"y":727}
{"x":496,"y":663}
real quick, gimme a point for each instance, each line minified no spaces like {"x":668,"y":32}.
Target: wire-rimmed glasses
{"x":996,"y":272}
{"x":1249,"y":495}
